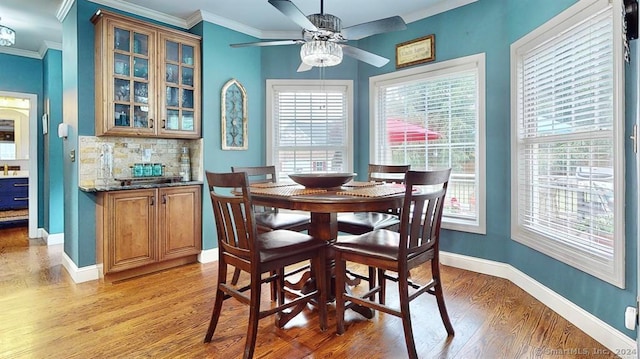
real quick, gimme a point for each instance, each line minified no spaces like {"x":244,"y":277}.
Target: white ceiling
{"x":38,"y":27}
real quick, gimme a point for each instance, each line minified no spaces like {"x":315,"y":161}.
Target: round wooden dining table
{"x":324,"y":206}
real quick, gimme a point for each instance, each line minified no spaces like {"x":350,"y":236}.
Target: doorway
{"x":23,"y":107}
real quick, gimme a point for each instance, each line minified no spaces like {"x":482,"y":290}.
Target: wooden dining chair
{"x":416,"y":243}
{"x":269,"y":218}
{"x":241,"y":246}
{"x":363,"y":222}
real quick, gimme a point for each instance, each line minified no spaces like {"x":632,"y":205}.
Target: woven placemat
{"x":377,"y":191}
{"x":272,"y":184}
{"x":287,"y":191}
{"x":359,"y":184}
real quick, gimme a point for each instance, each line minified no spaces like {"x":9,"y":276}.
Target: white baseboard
{"x":50,"y":239}
{"x":56,"y":238}
{"x":79,"y":275}
{"x":614,"y":340}
{"x":208,"y":255}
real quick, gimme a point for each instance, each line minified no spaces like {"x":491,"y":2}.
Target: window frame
{"x":472,"y":62}
{"x":273,"y":84}
{"x":614,"y":272}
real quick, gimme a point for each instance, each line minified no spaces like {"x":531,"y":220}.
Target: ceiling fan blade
{"x":365,"y":56}
{"x":304,"y":67}
{"x":355,"y":32}
{"x":269,"y":43}
{"x":292,"y":12}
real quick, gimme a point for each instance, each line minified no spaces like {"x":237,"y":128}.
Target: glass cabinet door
{"x":180,"y":94}
{"x":132,"y":89}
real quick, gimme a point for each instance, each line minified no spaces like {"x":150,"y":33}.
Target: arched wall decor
{"x":234,"y":116}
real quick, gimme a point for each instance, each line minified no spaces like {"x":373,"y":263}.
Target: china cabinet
{"x":145,"y":230}
{"x":147,"y":79}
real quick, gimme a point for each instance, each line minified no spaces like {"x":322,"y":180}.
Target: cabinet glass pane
{"x":187,"y":76}
{"x":187,"y":54}
{"x":172,"y":51}
{"x":172,"y":73}
{"x":172,"y":96}
{"x":141,"y":44}
{"x":140,"y":68}
{"x":141,"y":92}
{"x":121,"y":40}
{"x":121,"y":89}
{"x":122,"y":117}
{"x":121,"y":64}
{"x":187,"y":98}
{"x":141,"y":116}
{"x":187,"y":120}
{"x":172,"y":120}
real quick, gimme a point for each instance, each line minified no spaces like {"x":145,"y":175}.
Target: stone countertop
{"x":115,"y":186}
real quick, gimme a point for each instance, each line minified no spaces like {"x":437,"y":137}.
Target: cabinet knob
{"x":164,"y":199}
{"x":152,"y":201}
{"x":150,"y":123}
{"x":164,"y":123}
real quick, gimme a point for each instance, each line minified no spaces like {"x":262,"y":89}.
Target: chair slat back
{"x":388,"y":173}
{"x":421,"y":214}
{"x":259,"y":174}
{"x":235,"y":226}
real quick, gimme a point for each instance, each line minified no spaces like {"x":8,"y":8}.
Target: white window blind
{"x":565,"y":177}
{"x":431,"y":119}
{"x":310,"y":126}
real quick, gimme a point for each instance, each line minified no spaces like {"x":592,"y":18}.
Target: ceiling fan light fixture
{"x":7,"y":36}
{"x":321,"y":53}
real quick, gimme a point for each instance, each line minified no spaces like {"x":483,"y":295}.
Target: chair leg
{"x":254,"y":316}
{"x":372,"y":282}
{"x":403,"y":287}
{"x":340,"y":272}
{"x":382,"y":283}
{"x":435,"y":270}
{"x":236,"y":276}
{"x":217,"y":306}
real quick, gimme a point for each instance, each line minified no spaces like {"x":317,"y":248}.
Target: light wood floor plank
{"x":165,"y":315}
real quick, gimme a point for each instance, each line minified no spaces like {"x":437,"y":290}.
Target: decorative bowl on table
{"x":322,"y":180}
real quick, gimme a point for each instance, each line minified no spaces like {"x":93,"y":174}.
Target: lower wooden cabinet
{"x":147,"y":230}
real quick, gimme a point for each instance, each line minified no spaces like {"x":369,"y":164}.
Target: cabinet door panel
{"x":131,"y":224}
{"x":180,"y":221}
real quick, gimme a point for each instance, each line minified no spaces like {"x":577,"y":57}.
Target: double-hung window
{"x":309,"y":126}
{"x":567,"y":130}
{"x":433,"y":117}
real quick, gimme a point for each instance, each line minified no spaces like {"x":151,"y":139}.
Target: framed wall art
{"x":234,"y":116}
{"x":416,"y":51}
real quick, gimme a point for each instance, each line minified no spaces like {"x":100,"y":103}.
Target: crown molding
{"x":48,"y":45}
{"x":144,"y":12}
{"x":64,"y":9}
{"x":230,"y":24}
{"x":19,"y":52}
{"x":438,"y":8}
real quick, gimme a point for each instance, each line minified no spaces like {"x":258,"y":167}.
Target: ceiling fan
{"x":324,"y":40}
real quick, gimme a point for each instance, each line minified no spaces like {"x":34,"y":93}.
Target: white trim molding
{"x":80,"y":275}
{"x":611,"y":338}
{"x":208,"y":255}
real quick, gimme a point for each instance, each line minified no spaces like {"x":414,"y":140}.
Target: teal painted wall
{"x":463,"y":32}
{"x":24,"y":74}
{"x":221,"y":63}
{"x":53,"y":198}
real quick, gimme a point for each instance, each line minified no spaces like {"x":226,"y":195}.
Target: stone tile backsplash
{"x":102,"y":160}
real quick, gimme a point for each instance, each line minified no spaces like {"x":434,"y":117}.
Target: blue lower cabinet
{"x":14,"y":193}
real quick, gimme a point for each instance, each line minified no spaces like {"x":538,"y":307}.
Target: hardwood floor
{"x":165,"y":315}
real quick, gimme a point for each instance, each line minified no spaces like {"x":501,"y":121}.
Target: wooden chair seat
{"x":269,"y":221}
{"x":242,"y":247}
{"x":363,"y":222}
{"x":382,"y":250}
